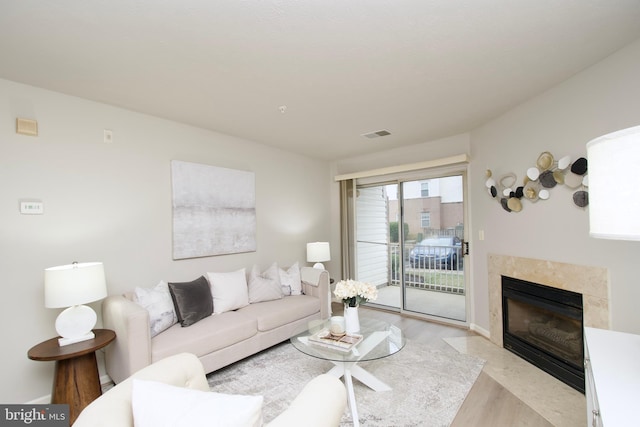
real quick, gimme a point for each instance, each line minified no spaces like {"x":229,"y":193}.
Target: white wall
{"x":601,"y":99}
{"x":112,"y":203}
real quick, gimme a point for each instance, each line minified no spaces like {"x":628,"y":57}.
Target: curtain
{"x":347,"y":227}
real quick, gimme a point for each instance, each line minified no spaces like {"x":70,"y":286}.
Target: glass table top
{"x":379,"y":339}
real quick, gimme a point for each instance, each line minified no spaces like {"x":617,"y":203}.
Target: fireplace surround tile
{"x":591,"y":282}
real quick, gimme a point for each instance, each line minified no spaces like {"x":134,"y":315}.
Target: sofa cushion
{"x":228,"y":290}
{"x":157,"y":404}
{"x":157,"y":301}
{"x":273,"y":314}
{"x":208,"y":335}
{"x":290,"y":280}
{"x":264,"y":286}
{"x":192,"y":300}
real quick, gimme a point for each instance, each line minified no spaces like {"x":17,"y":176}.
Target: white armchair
{"x":325,"y":395}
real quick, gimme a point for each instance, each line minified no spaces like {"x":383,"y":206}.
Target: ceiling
{"x":312,"y":76}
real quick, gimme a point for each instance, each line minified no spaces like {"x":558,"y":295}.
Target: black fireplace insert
{"x":544,"y":325}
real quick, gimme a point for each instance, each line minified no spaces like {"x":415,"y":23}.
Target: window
{"x":425,"y":219}
{"x":424,"y":189}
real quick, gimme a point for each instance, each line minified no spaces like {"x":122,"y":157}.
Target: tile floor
{"x":558,"y":403}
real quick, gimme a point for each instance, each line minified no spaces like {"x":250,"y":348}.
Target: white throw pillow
{"x":229,"y":290}
{"x":156,"y":404}
{"x":157,"y":301}
{"x":264,"y":286}
{"x":290,"y":280}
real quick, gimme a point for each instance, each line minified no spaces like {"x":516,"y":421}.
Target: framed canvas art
{"x":214,"y":210}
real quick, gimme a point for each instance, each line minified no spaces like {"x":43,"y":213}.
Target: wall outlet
{"x":31,"y":208}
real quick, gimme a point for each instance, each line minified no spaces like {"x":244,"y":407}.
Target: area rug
{"x":428,"y":385}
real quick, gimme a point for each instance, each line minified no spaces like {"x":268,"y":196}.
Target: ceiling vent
{"x":376,"y":134}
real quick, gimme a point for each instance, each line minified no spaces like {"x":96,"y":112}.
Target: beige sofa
{"x":217,"y":340}
{"x":324,"y":396}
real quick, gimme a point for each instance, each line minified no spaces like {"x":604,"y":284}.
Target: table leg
{"x":368,"y":379}
{"x":362,"y":375}
{"x":338,"y":370}
{"x":350,"y":370}
{"x":351,"y":396}
{"x":76,"y":383}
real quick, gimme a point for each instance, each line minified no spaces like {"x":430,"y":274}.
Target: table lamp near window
{"x":318,"y":252}
{"x":71,"y":286}
{"x":614,"y":193}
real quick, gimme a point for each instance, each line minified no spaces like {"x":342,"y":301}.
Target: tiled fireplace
{"x":590,"y":282}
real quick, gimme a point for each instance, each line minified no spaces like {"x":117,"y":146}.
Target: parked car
{"x":437,"y":252}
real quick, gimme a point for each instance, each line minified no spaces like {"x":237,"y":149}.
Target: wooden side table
{"x":76,"y":381}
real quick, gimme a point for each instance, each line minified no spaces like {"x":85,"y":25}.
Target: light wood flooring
{"x":488,"y":403}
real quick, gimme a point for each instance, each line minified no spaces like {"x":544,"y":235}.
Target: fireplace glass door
{"x":551,"y":332}
{"x":544,"y":326}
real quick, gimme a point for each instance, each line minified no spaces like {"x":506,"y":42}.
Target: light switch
{"x":31,"y":208}
{"x":108,"y":136}
{"x":481,"y":235}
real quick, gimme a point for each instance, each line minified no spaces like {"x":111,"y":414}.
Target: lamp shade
{"x":614,"y":188}
{"x":74,"y":284}
{"x":318,"y":252}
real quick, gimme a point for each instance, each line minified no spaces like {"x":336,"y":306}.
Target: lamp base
{"x":66,"y":341}
{"x":75,"y":324}
{"x":318,"y":265}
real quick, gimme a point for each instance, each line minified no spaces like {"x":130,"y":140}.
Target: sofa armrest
{"x":316,"y":282}
{"x":113,"y":408}
{"x":131,"y":350}
{"x":325,"y":396}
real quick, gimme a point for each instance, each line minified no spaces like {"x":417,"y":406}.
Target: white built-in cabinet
{"x":612,"y":378}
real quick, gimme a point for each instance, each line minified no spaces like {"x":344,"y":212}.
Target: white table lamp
{"x":71,"y":286}
{"x":614,"y":194}
{"x":318,"y":252}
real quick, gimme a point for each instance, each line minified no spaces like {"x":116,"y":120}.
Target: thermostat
{"x":31,"y":208}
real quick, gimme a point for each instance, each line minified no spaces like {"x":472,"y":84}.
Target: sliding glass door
{"x":410,"y":243}
{"x":433,"y":235}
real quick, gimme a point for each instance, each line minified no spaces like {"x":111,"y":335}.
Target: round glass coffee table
{"x":378,"y":340}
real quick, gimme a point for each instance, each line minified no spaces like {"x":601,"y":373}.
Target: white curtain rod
{"x":446,"y":161}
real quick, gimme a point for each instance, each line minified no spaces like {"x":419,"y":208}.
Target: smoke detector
{"x":376,"y":134}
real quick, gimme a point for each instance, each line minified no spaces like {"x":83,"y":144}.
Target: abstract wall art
{"x":214,"y":211}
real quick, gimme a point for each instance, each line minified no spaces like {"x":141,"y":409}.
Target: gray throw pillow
{"x":192,"y":300}
{"x":157,"y":301}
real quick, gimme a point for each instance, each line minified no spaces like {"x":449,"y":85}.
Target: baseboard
{"x":105,"y":381}
{"x":480,"y":330}
{"x":44,"y":400}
